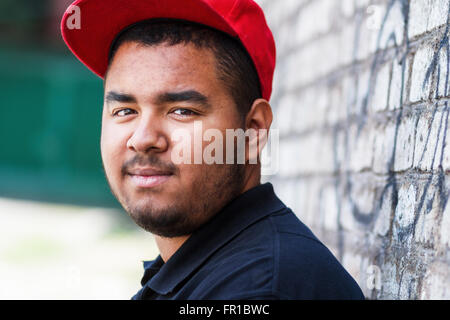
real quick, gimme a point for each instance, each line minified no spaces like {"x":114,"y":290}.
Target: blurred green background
{"x":62,"y":233}
{"x":51,"y":111}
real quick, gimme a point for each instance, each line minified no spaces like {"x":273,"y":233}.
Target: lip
{"x":148,"y":178}
{"x":148,"y":181}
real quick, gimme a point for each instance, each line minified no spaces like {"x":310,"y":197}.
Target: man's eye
{"x":184,"y":112}
{"x":123,"y":112}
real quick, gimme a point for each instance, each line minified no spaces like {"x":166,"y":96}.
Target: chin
{"x":147,"y":203}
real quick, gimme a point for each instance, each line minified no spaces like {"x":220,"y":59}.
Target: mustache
{"x":148,"y":161}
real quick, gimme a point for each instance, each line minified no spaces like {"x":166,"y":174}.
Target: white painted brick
{"x":361,"y":153}
{"x":421,"y":64}
{"x":298,"y":203}
{"x":290,"y":5}
{"x":398,"y":83}
{"x":304,"y":116}
{"x":284,"y":114}
{"x":348,"y":84}
{"x":315,"y":154}
{"x":379,"y":99}
{"x":346,"y":218}
{"x":345,"y":49}
{"x":367,"y":42}
{"x":335,"y":106}
{"x":361,"y":198}
{"x":283,"y":39}
{"x":327,"y":53}
{"x":314,"y":19}
{"x":299,"y":69}
{"x":419,"y":13}
{"x":389,"y":278}
{"x":329,"y":208}
{"x":311,"y":203}
{"x":426,"y":228}
{"x":425,"y":15}
{"x":408,"y":285}
{"x":405,"y":210}
{"x":446,"y":157}
{"x":303,"y":188}
{"x":325,"y":154}
{"x":336,"y":110}
{"x":363,"y":195}
{"x":317,"y":106}
{"x":289,"y":157}
{"x":341,"y":153}
{"x":309,"y":108}
{"x":306,"y":27}
{"x":444,"y":73}
{"x":383,"y":221}
{"x":436,"y":283}
{"x":391,"y":32}
{"x":362,"y":3}
{"x":430,"y":132}
{"x":445,"y":226}
{"x":404,"y":152}
{"x":363,"y":91}
{"x":383,"y":147}
{"x":312,"y":62}
{"x":438,"y":14}
{"x":347,"y":7}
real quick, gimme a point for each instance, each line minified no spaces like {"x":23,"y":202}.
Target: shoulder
{"x":277,"y":257}
{"x":304,"y":267}
{"x":243,"y":268}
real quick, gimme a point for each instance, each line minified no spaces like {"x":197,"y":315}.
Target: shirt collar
{"x":240,"y":213}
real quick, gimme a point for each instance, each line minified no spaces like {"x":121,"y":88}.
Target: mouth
{"x":148,"y":178}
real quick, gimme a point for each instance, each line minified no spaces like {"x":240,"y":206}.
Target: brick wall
{"x":361,"y":101}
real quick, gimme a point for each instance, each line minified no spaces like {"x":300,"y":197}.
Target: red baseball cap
{"x":100,"y":21}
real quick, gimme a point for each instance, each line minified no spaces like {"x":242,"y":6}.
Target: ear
{"x":257,"y":123}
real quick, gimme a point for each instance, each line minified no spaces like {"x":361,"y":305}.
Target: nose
{"x":148,"y":136}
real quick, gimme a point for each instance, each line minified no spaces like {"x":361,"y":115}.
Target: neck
{"x":252,"y":178}
{"x":168,"y":246}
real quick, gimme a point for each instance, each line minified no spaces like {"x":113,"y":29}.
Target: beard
{"x":191,"y":207}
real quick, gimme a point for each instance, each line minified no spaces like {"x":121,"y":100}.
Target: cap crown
{"x":101,"y":21}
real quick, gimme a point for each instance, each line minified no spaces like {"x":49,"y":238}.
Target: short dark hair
{"x":235,"y":67}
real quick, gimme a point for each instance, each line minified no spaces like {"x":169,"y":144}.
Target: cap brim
{"x":101,"y":21}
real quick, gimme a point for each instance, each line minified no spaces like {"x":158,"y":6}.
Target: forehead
{"x":149,"y":69}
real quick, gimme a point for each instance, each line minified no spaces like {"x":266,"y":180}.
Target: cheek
{"x":200,"y":146}
{"x":113,"y":146}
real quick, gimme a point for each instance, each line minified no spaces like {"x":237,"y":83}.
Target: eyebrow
{"x":166,"y":97}
{"x":183,"y":96}
{"x":113,"y":96}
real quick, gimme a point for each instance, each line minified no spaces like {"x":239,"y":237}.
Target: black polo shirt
{"x":254,"y":248}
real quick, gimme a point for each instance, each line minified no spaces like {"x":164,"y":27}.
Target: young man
{"x":203,"y":68}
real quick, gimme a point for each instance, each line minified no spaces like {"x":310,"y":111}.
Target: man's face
{"x":151,"y":91}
